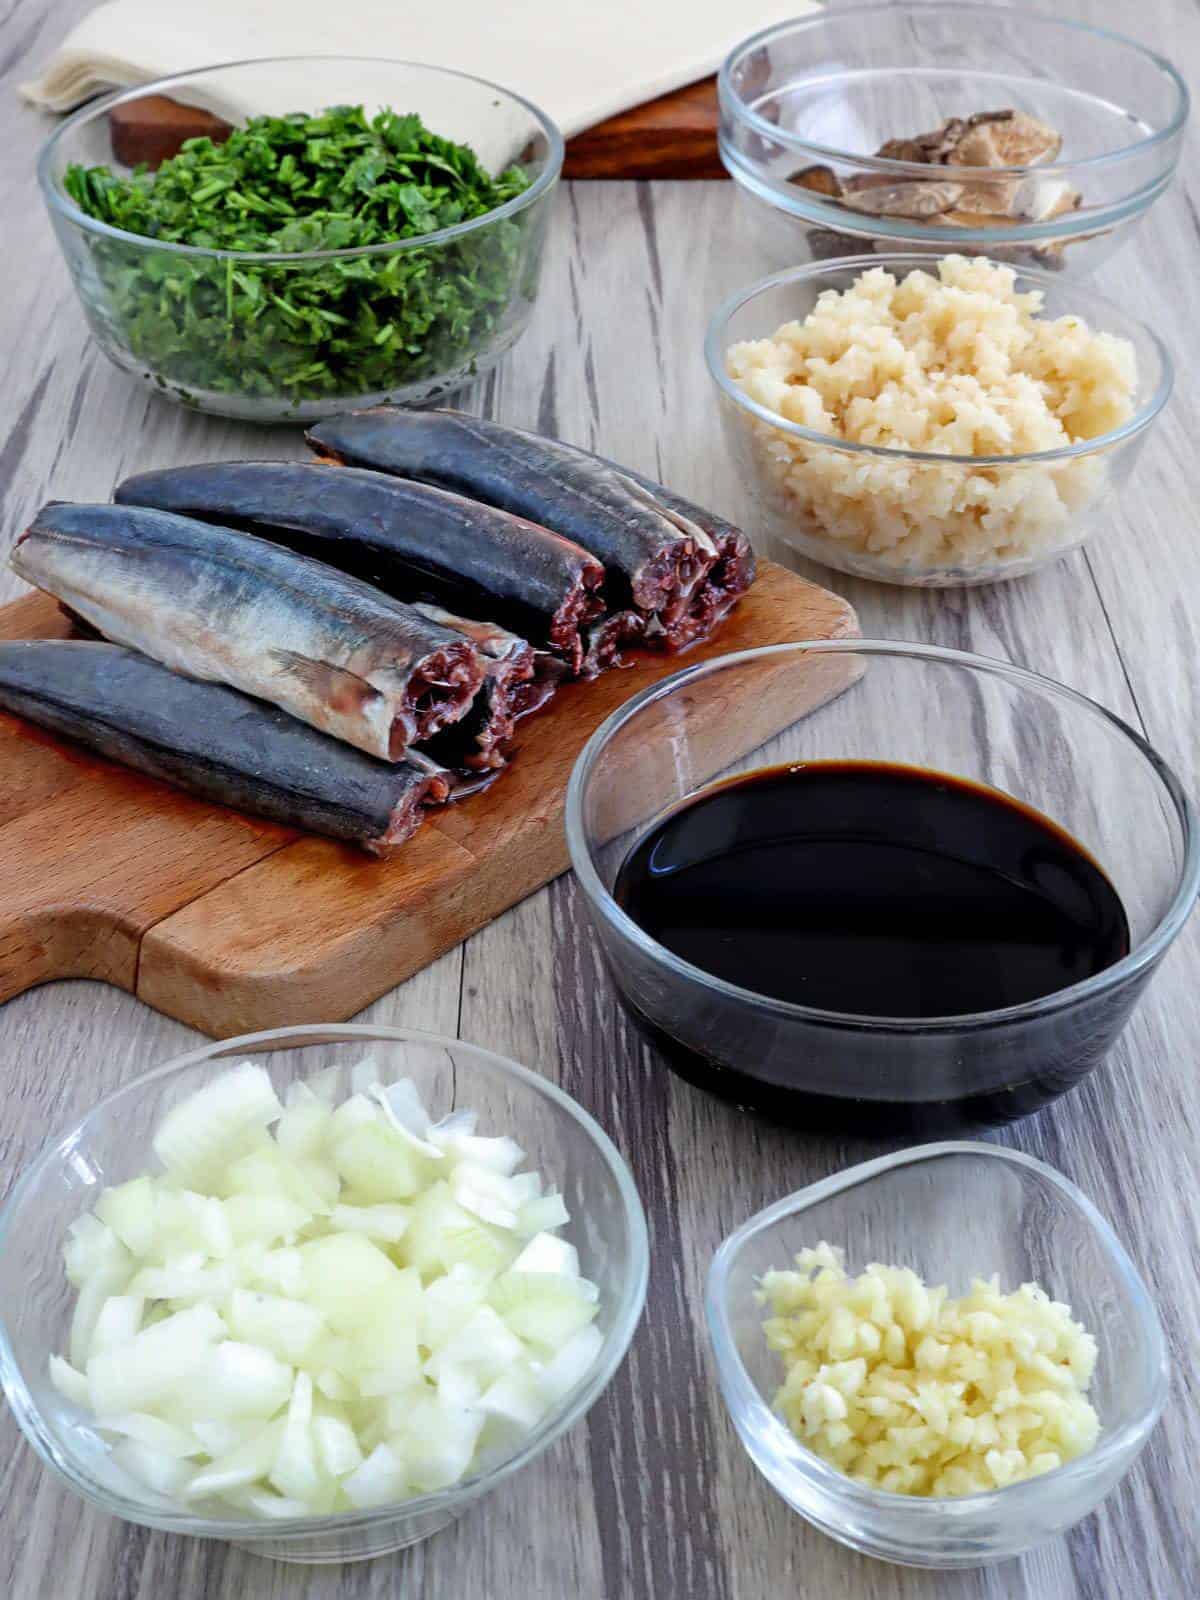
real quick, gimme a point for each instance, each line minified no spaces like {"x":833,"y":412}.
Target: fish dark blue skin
{"x":224,"y":606}
{"x":415,"y":542}
{"x":656,"y":557}
{"x":213,"y":742}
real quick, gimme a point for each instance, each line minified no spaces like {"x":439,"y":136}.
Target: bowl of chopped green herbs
{"x":347,"y":231}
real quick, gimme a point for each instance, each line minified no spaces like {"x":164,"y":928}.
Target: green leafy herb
{"x":349,"y":325}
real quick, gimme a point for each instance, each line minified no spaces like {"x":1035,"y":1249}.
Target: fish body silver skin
{"x":220,"y":605}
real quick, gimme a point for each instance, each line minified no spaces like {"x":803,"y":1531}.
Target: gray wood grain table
{"x":652,"y":1498}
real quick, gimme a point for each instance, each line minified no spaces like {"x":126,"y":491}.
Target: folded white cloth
{"x":579,"y":60}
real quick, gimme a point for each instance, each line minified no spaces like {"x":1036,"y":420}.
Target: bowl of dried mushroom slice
{"x":922,"y":126}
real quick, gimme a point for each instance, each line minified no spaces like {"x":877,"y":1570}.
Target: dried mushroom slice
{"x":1012,"y":139}
{"x":820,"y":180}
{"x":903,"y":150}
{"x":988,"y":139}
{"x":996,"y":200}
{"x":920,"y":201}
{"x":929,"y":149}
{"x":960,"y":217}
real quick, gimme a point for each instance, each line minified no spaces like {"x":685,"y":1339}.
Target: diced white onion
{"x":245,"y":1463}
{"x":546,"y":1252}
{"x":334,"y":1315}
{"x":388,"y":1223}
{"x":167,"y":1475}
{"x":502,"y":1155}
{"x":154,"y":1433}
{"x":570,"y":1364}
{"x":109,"y":1278}
{"x":130,"y":1210}
{"x":242,"y":1380}
{"x":515,"y":1398}
{"x":131,"y":1377}
{"x":262,"y":1503}
{"x":200,"y":1134}
{"x":69,"y":1382}
{"x":337,"y":1447}
{"x":286,"y":1328}
{"x":294,"y":1471}
{"x":377,"y":1481}
{"x":217,"y":1436}
{"x":407,"y":1116}
{"x":543,"y":1215}
{"x":452,"y":1125}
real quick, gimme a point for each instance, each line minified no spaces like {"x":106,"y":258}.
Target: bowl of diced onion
{"x":315,"y":1291}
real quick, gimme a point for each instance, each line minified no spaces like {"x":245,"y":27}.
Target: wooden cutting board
{"x":674,"y":136}
{"x":232,"y":924}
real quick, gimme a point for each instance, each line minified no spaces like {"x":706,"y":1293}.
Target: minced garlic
{"x":954,"y":362}
{"x":905,"y":1389}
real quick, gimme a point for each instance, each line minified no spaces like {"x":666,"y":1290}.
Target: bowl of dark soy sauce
{"x":879,"y":888}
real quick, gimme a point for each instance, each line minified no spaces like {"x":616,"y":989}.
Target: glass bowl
{"x":914,"y":517}
{"x":229,"y":331}
{"x":826,"y":91}
{"x":608,"y":1227}
{"x":951,"y":1212}
{"x":918,"y":706}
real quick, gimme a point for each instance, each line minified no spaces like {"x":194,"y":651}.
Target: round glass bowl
{"x":608,"y":1227}
{"x":826,"y":91}
{"x":952,"y":1212}
{"x":914,"y":705}
{"x":262,"y":336}
{"x":914,"y":517}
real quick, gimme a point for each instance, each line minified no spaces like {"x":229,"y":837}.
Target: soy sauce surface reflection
{"x":875,"y":890}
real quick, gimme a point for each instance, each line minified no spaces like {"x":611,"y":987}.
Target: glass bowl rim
{"x":1156,"y":941}
{"x":57,"y":200}
{"x":715,"y":348}
{"x":860,"y":9}
{"x":739,"y":1389}
{"x":627,"y":1310}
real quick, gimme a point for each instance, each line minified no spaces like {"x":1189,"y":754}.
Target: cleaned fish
{"x":213,"y":742}
{"x":413,"y":541}
{"x":726,"y":580}
{"x":223,"y":605}
{"x":513,"y":671}
{"x":467,"y":767}
{"x":656,"y":558}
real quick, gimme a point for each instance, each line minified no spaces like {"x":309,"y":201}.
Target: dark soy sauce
{"x":877,"y":891}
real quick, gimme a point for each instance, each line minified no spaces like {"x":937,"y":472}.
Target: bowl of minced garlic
{"x":904,"y":1387}
{"x":928,"y":1413}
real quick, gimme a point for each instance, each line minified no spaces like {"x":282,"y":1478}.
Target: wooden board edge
{"x":673,"y":136}
{"x":49,"y":943}
{"x":246,"y":991}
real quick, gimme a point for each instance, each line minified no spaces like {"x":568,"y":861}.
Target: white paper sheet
{"x":579,"y":60}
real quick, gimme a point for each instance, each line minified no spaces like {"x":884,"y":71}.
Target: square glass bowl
{"x":951,"y":1212}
